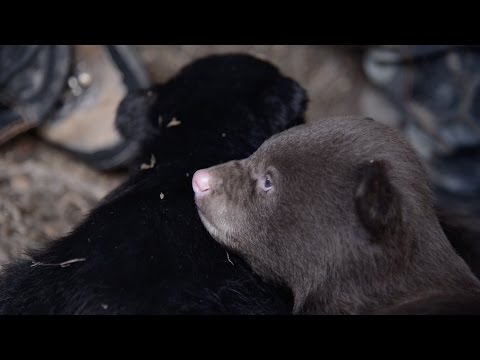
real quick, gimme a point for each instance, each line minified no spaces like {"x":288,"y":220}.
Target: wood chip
{"x":228,"y":258}
{"x":149,"y":166}
{"x":173,"y":122}
{"x":62,"y":264}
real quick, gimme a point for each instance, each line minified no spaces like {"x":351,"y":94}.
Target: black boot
{"x":70,"y":93}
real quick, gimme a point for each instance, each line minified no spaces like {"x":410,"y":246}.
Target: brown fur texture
{"x":341,"y":212}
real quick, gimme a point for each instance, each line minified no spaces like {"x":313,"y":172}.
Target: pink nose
{"x":200,"y":181}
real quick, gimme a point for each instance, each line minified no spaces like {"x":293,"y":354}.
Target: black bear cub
{"x":144,"y":250}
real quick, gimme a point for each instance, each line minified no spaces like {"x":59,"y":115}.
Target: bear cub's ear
{"x":377,"y":202}
{"x":136,"y":118}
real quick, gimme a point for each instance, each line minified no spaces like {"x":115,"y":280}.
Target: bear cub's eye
{"x":267,"y":183}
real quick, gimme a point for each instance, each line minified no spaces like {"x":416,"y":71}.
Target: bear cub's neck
{"x":433,"y":272}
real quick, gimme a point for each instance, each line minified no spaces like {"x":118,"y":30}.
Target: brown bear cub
{"x":341,"y":212}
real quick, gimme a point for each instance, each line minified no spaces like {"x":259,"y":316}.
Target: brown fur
{"x":348,"y":225}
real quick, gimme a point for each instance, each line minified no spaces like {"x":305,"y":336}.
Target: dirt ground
{"x":44,"y":192}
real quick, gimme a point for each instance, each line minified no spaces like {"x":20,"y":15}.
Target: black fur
{"x":143,"y":250}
